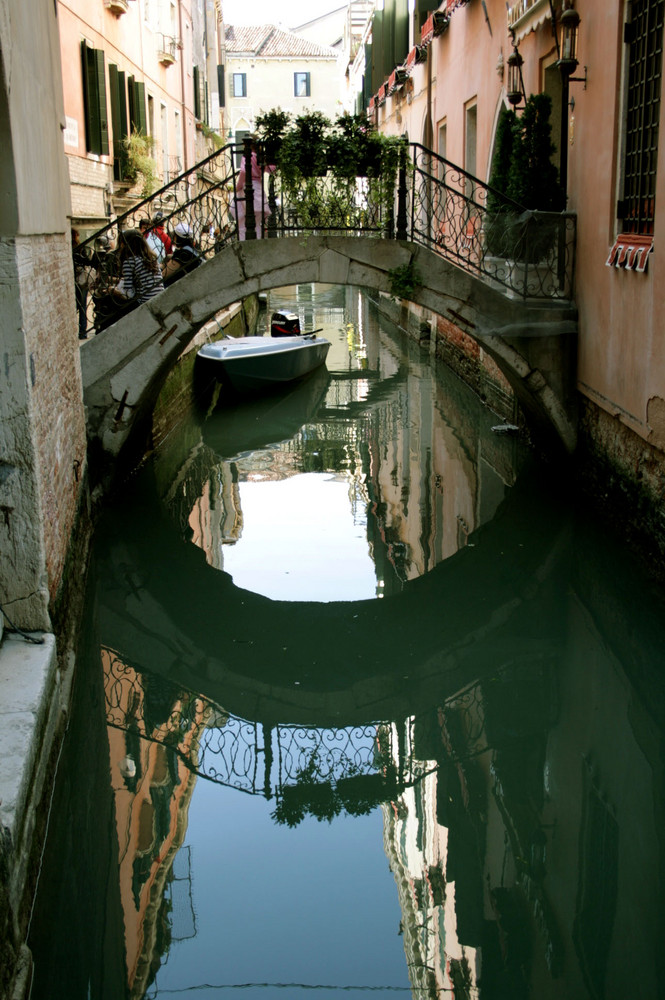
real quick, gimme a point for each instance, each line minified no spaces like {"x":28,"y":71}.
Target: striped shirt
{"x":138,"y":281}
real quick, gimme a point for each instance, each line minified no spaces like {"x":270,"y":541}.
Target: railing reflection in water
{"x":347,"y":768}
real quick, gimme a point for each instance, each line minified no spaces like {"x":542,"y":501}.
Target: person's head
{"x":144,"y":225}
{"x":158,"y":218}
{"x":183,"y":234}
{"x":102,"y":243}
{"x":76,"y":239}
{"x":132,"y":244}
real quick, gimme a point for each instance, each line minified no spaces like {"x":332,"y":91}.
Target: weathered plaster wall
{"x":42,"y":431}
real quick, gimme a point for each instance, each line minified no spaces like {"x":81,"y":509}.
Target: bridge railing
{"x":428,"y":200}
{"x":202,"y":197}
{"x":531,"y":254}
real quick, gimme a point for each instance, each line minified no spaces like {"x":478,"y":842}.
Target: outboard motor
{"x":284,"y":324}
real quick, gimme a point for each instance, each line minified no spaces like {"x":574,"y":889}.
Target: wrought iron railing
{"x":201,"y":197}
{"x":429,"y":201}
{"x":532,"y":254}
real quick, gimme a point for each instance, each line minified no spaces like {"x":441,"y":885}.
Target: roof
{"x":268,"y":41}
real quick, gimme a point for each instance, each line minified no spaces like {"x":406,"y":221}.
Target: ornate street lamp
{"x":567,"y":63}
{"x":515,"y":85}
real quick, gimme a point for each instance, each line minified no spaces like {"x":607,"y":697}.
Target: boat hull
{"x":258,"y":364}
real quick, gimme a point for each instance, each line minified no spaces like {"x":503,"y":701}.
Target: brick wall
{"x":58,"y":424}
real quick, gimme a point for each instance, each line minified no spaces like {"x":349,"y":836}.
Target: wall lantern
{"x":570,"y":23}
{"x":515,"y":85}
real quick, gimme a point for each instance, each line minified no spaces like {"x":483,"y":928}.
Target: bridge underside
{"x":532,"y":342}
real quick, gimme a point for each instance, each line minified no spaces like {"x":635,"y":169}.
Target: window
{"x":301,"y":85}
{"x":94,"y":100}
{"x":239,"y":88}
{"x":644,"y":40}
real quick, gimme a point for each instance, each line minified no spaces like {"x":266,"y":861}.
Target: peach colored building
{"x":135,"y":65}
{"x":452,"y":80}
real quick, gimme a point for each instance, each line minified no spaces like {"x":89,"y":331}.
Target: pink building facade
{"x":450,"y":86}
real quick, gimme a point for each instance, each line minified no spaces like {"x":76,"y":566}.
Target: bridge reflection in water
{"x":503,"y":706}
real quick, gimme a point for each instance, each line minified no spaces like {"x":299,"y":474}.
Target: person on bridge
{"x":261,"y":209}
{"x":160,"y":232}
{"x":153,"y":240}
{"x":185,"y":256}
{"x":141,"y":275}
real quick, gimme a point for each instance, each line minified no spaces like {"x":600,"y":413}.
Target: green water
{"x":366,"y":705}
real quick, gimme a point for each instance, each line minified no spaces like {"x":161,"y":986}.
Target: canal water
{"x":366,"y":705}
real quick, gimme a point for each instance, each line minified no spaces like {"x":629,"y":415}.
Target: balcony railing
{"x":167,"y":49}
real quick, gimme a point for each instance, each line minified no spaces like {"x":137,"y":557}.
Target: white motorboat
{"x":255,"y":364}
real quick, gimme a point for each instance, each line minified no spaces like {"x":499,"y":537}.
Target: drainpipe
{"x":183,"y":124}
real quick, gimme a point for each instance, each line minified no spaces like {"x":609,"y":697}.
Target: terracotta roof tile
{"x":267,"y":40}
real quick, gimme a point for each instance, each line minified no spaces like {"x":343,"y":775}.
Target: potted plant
{"x":304,"y":151}
{"x":270,"y":128}
{"x":354,"y":148}
{"x":533,"y":179}
{"x":498,"y":225}
{"x":139,"y":164}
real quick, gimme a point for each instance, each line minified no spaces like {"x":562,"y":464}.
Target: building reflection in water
{"x":379,"y":423}
{"x":519,"y":769}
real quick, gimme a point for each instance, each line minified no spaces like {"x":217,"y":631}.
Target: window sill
{"x":631,"y":252}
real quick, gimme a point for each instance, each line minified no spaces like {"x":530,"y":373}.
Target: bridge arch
{"x":125,"y":366}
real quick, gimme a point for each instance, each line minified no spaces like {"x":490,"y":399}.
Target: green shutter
{"x":131,"y":94}
{"x":141,"y":114}
{"x":87,"y":115}
{"x":101,"y":103}
{"x":401,"y":49}
{"x":388,"y":38}
{"x":377,"y":51}
{"x":114,"y":96}
{"x":197,"y":92}
{"x":122,"y":96}
{"x":221,"y":81}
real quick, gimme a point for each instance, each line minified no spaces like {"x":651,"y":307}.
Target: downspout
{"x":183,"y":125}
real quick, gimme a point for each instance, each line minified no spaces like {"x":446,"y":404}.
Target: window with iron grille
{"x":644,"y":39}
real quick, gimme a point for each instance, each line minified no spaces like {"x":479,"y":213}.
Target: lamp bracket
{"x":580,"y":79}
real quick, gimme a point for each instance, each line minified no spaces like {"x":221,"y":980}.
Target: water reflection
{"x":501,"y":709}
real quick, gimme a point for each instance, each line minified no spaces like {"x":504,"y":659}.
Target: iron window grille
{"x":644,"y":38}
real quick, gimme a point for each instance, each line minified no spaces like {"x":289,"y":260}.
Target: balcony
{"x":167,"y":49}
{"x":117,"y":7}
{"x":418,"y":54}
{"x":435,"y":25}
{"x":527,"y":15}
{"x":397,"y":79}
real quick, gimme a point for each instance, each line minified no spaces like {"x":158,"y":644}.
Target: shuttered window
{"x":94,"y":100}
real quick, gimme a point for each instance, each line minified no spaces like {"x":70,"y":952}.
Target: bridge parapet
{"x":124,"y":367}
{"x":419,"y":197}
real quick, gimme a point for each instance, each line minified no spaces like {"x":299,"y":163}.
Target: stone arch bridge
{"x":124,"y":367}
